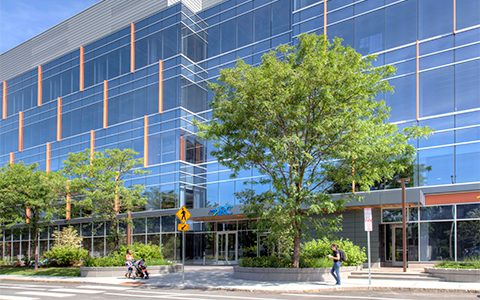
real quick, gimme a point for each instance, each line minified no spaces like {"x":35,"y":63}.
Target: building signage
{"x":222,"y":210}
{"x":367,"y":213}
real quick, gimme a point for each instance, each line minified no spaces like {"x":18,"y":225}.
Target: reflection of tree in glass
{"x":469,"y":234}
{"x":416,"y":173}
{"x":156,"y":199}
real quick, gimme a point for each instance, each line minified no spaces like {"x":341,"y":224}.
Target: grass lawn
{"x":74,"y":272}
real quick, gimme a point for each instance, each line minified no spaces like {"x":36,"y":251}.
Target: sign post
{"x":367,"y":214}
{"x":183,"y":214}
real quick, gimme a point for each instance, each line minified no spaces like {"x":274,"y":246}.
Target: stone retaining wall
{"x":290,"y":274}
{"x":120,"y":271}
{"x":455,"y":275}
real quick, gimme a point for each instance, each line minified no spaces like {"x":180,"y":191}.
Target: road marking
{"x":103,"y":287}
{"x":80,"y":291}
{"x":22,"y":288}
{"x":30,"y":285}
{"x":345,"y":297}
{"x":168,"y":295}
{"x":47,"y":294}
{"x":9,"y":297}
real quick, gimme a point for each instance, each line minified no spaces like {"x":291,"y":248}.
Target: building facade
{"x":125,"y":74}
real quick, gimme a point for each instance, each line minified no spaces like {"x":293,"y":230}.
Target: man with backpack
{"x":338,"y":256}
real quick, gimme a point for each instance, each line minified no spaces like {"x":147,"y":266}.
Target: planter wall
{"x":120,"y":271}
{"x":290,"y":274}
{"x":455,"y":275}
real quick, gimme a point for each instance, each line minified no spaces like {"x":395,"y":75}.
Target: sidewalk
{"x":221,"y":278}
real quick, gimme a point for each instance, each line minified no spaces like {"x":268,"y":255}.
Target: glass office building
{"x":137,"y":78}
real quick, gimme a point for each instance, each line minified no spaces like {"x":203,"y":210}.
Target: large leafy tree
{"x":307,"y":118}
{"x":30,"y":197}
{"x":97,"y":185}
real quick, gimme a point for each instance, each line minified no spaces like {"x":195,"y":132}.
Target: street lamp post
{"x":404,"y":221}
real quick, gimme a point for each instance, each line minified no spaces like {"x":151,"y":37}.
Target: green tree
{"x":30,"y":197}
{"x":97,"y":185}
{"x":305,"y":117}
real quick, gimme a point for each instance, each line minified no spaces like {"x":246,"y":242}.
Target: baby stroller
{"x":140,"y":269}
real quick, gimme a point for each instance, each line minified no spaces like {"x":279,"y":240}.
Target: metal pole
{"x":183,"y":256}
{"x":369,"y":261}
{"x":404,"y":222}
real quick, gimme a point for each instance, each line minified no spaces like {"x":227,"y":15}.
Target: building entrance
{"x":396,"y":245}
{"x":227,"y":248}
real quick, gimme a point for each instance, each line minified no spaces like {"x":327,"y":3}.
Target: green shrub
{"x":151,"y":253}
{"x":66,"y":256}
{"x":321,"y":248}
{"x":469,"y":263}
{"x":139,"y":251}
{"x":281,"y":262}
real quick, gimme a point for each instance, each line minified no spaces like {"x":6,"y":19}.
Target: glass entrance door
{"x":397,"y":248}
{"x":227,"y":248}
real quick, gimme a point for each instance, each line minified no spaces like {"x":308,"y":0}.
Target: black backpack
{"x":343,"y":256}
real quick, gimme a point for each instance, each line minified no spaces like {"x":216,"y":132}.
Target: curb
{"x":256,"y":290}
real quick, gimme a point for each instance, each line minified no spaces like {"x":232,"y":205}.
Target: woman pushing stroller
{"x":129,"y":263}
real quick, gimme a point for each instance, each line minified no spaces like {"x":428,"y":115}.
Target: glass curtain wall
{"x":434,"y":233}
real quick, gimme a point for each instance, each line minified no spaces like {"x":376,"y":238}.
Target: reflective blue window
{"x":467,"y":78}
{"x":467,"y":163}
{"x":441,"y":161}
{"x":400,"y":24}
{"x":343,"y":30}
{"x":244,"y":30}
{"x":281,"y":16}
{"x":436,"y":92}
{"x":435,"y":17}
{"x":213,"y":41}
{"x":227,"y":35}
{"x":404,"y":99}
{"x":262,"y":23}
{"x":468,"y":13}
{"x":369,"y":32}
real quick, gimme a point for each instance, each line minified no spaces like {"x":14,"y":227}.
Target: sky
{"x":21,"y":20}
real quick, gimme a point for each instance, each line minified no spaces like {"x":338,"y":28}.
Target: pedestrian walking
{"x":336,"y":263}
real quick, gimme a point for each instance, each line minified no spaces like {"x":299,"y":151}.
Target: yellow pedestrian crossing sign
{"x":183,"y":227}
{"x":183,"y":214}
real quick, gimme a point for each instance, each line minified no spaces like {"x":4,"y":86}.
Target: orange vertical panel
{"x":160,"y":86}
{"x":105,"y":104}
{"x":116,"y":205}
{"x":27,"y":213}
{"x":182,"y":148}
{"x":418,"y":78}
{"x":48,"y":156}
{"x":92,"y":144}
{"x":82,"y":73}
{"x":59,"y":119}
{"x":39,"y":86}
{"x":325,"y":19}
{"x":132,"y":47}
{"x":454,"y":16}
{"x":68,"y":205}
{"x":12,"y":157}
{"x":145,"y":142}
{"x":4,"y":102}
{"x":20,"y":131}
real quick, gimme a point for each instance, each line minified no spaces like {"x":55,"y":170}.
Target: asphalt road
{"x":38,"y":290}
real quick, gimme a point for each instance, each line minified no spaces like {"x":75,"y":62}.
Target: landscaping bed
{"x":71,"y":272}
{"x":290,"y":274}
{"x":120,"y":271}
{"x":455,"y":275}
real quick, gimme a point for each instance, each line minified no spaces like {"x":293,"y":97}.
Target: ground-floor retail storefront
{"x":439,"y":226}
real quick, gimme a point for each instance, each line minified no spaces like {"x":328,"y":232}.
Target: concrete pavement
{"x":221,"y":278}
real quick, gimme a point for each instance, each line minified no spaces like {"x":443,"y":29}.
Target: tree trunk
{"x":296,"y":248}
{"x":35,"y":244}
